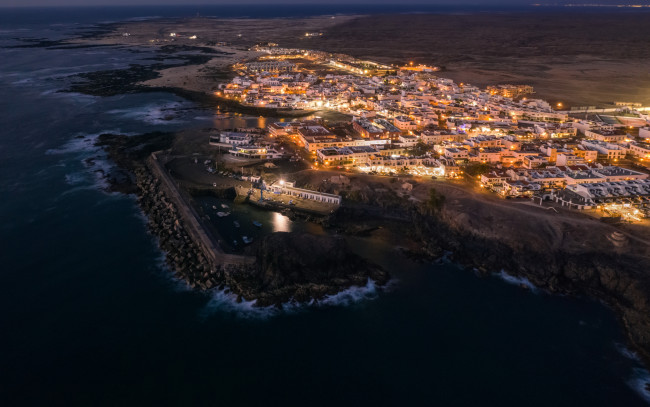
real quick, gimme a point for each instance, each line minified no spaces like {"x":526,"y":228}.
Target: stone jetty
{"x":190,"y":253}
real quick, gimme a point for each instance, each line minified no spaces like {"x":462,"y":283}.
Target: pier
{"x":200,"y":235}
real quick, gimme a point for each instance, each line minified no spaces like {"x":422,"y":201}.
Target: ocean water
{"x":90,"y":314}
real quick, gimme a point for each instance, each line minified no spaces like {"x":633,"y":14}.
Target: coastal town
{"x":325,"y":203}
{"x":408,"y":121}
{"x":288,"y":157}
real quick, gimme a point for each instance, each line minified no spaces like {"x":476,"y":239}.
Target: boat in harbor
{"x":256,"y":223}
{"x":247,"y":239}
{"x":224,"y":206}
{"x":234,"y":242}
{"x":214,"y":207}
{"x":236,"y":224}
{"x":222,"y":214}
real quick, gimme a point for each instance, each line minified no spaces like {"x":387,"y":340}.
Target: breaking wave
{"x":158,"y":113}
{"x":81,"y":143}
{"x":93,"y":159}
{"x":222,"y":300}
{"x":640,"y":379}
{"x":640,"y":383}
{"x":352,"y":295}
{"x":519,"y":281}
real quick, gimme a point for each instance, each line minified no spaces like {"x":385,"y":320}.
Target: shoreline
{"x":431,"y":238}
{"x":266,"y":273}
{"x":558,"y":257}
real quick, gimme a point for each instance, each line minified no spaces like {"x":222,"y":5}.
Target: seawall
{"x":191,"y":251}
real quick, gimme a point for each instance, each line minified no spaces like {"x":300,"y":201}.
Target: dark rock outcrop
{"x":300,"y":267}
{"x":564,"y":254}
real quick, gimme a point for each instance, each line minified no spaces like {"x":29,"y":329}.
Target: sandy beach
{"x":228,"y":40}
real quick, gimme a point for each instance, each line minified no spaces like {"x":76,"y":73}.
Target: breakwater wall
{"x":194,"y":255}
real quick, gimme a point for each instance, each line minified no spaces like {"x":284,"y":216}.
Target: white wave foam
{"x":75,"y":178}
{"x":640,"y":382}
{"x":94,"y":160}
{"x":640,"y":378}
{"x":25,"y":81}
{"x":226,"y":301}
{"x":352,"y":295}
{"x":623,"y":350}
{"x":82,"y":143}
{"x":519,"y":281}
{"x":159,"y":113}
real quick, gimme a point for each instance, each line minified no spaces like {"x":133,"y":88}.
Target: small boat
{"x":234,"y":243}
{"x":214,"y":207}
{"x":256,"y":223}
{"x":222,"y":214}
{"x":224,"y":206}
{"x":236,"y":224}
{"x":247,"y":239}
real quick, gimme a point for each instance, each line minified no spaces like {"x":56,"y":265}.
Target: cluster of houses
{"x":406,"y":119}
{"x":551,"y":180}
{"x":242,"y":145}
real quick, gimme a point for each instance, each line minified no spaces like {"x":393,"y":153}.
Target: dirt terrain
{"x":228,"y":40}
{"x":577,"y":58}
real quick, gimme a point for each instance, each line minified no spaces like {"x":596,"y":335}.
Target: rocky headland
{"x":300,"y":267}
{"x":282,"y":267}
{"x":563,"y":253}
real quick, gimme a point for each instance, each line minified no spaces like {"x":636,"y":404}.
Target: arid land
{"x":577,"y":58}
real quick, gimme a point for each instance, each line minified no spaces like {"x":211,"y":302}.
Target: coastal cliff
{"x":560,"y":252}
{"x":564,"y":253}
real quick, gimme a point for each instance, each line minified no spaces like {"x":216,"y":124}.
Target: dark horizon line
{"x":507,"y":4}
{"x":318,"y":3}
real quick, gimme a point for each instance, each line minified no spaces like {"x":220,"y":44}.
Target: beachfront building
{"x":289,"y":188}
{"x":254,"y":152}
{"x":228,"y":138}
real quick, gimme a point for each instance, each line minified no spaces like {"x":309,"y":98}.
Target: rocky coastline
{"x":287,"y":267}
{"x":619,"y":280}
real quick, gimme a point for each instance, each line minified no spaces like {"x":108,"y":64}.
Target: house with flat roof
{"x":639,"y":150}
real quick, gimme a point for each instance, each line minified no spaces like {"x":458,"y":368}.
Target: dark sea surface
{"x":90,"y":315}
